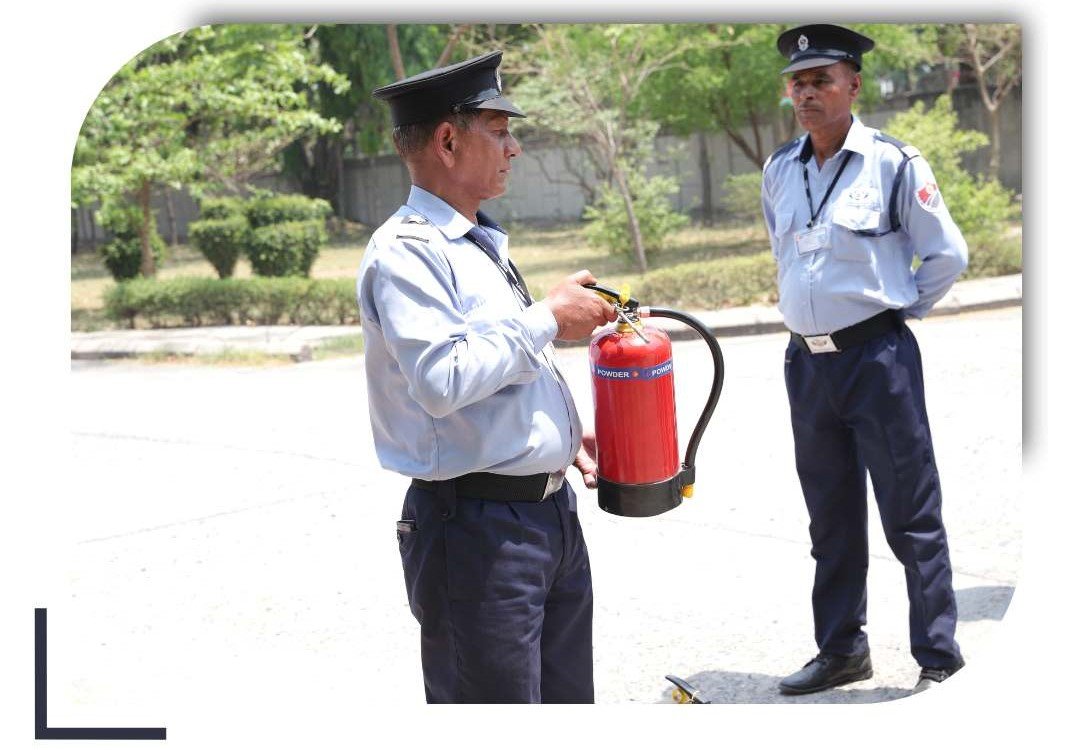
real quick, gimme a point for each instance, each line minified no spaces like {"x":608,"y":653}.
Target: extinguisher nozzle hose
{"x":714,"y":392}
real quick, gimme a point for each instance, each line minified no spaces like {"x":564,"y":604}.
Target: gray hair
{"x":412,"y":139}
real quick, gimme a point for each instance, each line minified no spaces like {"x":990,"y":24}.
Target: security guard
{"x":847,"y":208}
{"x":465,"y":399}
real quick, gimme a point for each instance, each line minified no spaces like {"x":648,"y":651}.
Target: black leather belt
{"x":481,"y":485}
{"x":845,"y":338}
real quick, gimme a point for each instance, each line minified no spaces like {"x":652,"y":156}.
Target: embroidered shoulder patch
{"x":929,"y":197}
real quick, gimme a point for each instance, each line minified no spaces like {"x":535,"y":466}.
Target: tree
{"x":368,"y":56}
{"x":586,"y":83}
{"x":729,"y":81}
{"x":994,"y":53}
{"x":207,"y":109}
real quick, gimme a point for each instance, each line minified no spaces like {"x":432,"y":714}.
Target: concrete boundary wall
{"x":542,"y":190}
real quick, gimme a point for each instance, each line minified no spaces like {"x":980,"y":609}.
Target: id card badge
{"x":815,"y":238}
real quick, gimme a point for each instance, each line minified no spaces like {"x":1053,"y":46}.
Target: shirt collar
{"x":859,"y":139}
{"x":440,"y":213}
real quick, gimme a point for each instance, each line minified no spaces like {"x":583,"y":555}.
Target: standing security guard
{"x":465,"y":398}
{"x":847,"y":207}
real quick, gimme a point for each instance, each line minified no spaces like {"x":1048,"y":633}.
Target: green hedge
{"x":122,"y":254}
{"x":220,"y":241}
{"x":221,"y":208}
{"x":711,"y":284}
{"x":287,"y":249}
{"x":279,"y":209}
{"x":188,"y":301}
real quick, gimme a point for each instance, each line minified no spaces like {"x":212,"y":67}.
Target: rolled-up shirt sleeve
{"x":935,"y":238}
{"x":450,"y":358}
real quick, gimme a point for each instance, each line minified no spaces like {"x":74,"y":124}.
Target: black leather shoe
{"x":930,"y":676}
{"x":826,"y":671}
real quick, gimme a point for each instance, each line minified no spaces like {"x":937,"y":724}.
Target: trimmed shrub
{"x":188,"y":301}
{"x":712,"y":284}
{"x":220,"y":241}
{"x":287,"y":249}
{"x":122,"y":254}
{"x":742,"y":196}
{"x":224,"y":207}
{"x":279,"y":209}
{"x":608,"y":225}
{"x":996,"y":254}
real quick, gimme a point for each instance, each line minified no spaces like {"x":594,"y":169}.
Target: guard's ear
{"x":444,"y":142}
{"x":856,"y":84}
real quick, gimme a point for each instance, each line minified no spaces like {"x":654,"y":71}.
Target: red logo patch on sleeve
{"x":928,"y":196}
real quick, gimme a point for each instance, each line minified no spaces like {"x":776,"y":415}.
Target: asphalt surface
{"x":230,"y":560}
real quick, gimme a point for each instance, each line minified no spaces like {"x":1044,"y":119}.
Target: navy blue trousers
{"x":857,"y":410}
{"x":503,"y":595}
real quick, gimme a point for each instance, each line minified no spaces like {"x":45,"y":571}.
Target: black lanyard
{"x":810,"y":201}
{"x":478,"y":237}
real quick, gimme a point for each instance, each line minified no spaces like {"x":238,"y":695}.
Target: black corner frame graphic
{"x":42,"y":730}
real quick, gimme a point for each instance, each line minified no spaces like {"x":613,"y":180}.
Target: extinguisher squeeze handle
{"x":687,"y":476}
{"x":625,"y":301}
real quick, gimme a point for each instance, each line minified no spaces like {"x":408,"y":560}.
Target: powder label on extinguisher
{"x":634,"y":374}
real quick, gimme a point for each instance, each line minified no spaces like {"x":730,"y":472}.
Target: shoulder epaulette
{"x":908,"y":153}
{"x":780,"y":151}
{"x":414,"y":227}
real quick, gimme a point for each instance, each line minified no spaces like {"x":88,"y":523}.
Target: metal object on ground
{"x":684,"y":692}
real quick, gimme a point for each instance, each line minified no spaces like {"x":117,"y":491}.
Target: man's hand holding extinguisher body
{"x":578,"y":311}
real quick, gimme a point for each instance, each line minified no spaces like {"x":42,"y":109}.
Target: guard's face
{"x":483,"y":154}
{"x":823,"y":96}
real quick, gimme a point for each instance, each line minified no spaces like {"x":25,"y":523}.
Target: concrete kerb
{"x":299,"y":342}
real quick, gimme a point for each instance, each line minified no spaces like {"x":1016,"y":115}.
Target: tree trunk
{"x":706,"y":181}
{"x":395,"y":51}
{"x":146,"y":265}
{"x":174,"y":238}
{"x":995,"y":142}
{"x":74,"y":230}
{"x":635,"y":228}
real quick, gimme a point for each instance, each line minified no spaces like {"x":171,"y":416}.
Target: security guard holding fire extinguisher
{"x":847,"y":208}
{"x":465,"y":398}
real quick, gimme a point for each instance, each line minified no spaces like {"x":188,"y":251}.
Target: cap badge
{"x":803,"y":43}
{"x":498,"y":81}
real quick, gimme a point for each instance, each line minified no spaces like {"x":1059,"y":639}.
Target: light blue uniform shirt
{"x":461,"y":374}
{"x":853,"y":277}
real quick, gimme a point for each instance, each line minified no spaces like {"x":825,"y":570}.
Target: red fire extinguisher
{"x":633,"y":378}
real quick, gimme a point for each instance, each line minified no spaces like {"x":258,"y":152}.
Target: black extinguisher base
{"x":639,"y":500}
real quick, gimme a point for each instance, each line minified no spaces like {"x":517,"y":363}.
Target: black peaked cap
{"x":471,"y":84}
{"x":822,"y":44}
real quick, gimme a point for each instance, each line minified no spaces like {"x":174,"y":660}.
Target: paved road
{"x":232,"y":555}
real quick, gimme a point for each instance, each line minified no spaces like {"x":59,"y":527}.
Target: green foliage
{"x":278,"y":209}
{"x":980,"y":207}
{"x":994,"y":255}
{"x":608,"y":226}
{"x":221,"y":241}
{"x":286,"y":249}
{"x":254,"y":301}
{"x":225,"y":207}
{"x":712,"y":284}
{"x":122,"y":254}
{"x":209,"y":107}
{"x":742,"y":195}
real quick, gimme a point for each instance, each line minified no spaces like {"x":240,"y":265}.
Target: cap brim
{"x":501,"y":104}
{"x":811,"y":62}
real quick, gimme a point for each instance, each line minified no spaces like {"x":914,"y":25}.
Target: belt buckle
{"x":820,"y":344}
{"x":554,"y":483}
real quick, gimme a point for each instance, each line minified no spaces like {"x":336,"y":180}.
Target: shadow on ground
{"x":753,"y":687}
{"x":973,"y":604}
{"x":983,"y":602}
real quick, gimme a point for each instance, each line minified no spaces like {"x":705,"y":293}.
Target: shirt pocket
{"x":848,"y":221}
{"x":781,"y":229}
